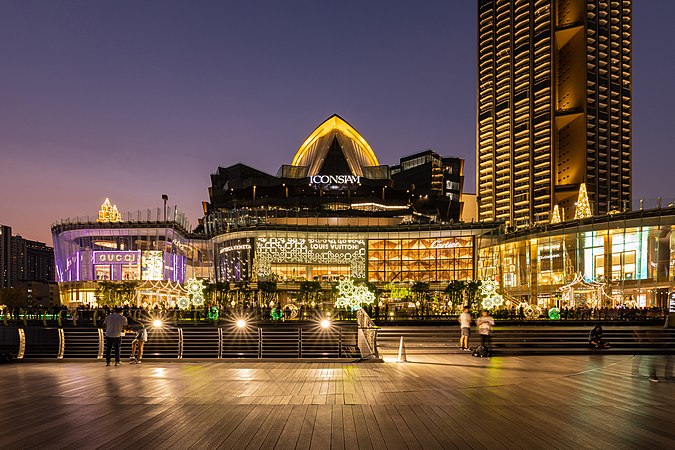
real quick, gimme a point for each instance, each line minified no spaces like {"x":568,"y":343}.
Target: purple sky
{"x":130,"y":100}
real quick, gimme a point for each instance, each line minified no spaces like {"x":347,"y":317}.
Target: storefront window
{"x":402,"y":260}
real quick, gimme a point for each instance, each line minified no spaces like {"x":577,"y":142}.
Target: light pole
{"x":166,"y":199}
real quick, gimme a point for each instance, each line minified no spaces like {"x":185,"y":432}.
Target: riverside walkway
{"x":433,"y":401}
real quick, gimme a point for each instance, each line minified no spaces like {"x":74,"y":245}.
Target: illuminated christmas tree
{"x":583,"y":206}
{"x":556,"y":215}
{"x":109,"y":213}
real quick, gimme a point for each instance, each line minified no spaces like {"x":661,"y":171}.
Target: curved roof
{"x":357,"y":152}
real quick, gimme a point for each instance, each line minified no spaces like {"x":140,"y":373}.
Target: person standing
{"x":485,"y":324}
{"x":465,"y":328}
{"x":114,"y":325}
{"x":139,"y":341}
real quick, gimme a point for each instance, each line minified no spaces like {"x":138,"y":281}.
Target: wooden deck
{"x":438,"y":401}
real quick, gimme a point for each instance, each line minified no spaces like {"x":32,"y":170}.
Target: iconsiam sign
{"x":353,"y":296}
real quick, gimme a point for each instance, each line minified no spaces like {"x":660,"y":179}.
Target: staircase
{"x":529,"y":340}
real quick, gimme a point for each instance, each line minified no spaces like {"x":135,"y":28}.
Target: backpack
{"x":481,"y":352}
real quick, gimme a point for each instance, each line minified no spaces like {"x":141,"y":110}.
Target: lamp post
{"x":165,"y":198}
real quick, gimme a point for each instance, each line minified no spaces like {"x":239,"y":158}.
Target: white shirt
{"x":465,"y":320}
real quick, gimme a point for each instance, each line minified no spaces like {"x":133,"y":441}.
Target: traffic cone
{"x":401,"y":352}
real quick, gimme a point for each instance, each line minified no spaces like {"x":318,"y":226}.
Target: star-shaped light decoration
{"x":490,"y":299}
{"x":353,"y":296}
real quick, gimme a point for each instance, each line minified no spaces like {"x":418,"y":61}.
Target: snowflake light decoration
{"x":490,"y":299}
{"x":195,"y":288}
{"x":353,"y":296}
{"x":183,"y":302}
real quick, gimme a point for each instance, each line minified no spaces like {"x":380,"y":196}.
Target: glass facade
{"x":627,"y":259}
{"x":430,"y":259}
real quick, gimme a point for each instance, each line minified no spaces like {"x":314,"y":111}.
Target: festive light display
{"x":530,"y":311}
{"x":583,"y":206}
{"x":183,"y":302}
{"x":293,"y":310}
{"x":353,"y":296}
{"x":109,"y":213}
{"x":490,"y":299}
{"x":195,"y":288}
{"x":554,"y":314}
{"x":555,"y":218}
{"x":592,"y":292}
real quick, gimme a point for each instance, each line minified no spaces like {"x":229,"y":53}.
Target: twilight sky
{"x":134,"y":99}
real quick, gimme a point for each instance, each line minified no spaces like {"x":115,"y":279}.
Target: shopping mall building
{"x":336,"y":213}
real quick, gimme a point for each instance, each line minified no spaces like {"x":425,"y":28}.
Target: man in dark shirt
{"x":114,"y":325}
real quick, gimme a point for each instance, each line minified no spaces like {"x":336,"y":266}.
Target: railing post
{"x":101,"y":344}
{"x":340,"y":342}
{"x":299,"y":342}
{"x":22,"y":344}
{"x":62,"y":344}
{"x":260,"y":342}
{"x":180,"y":343}
{"x":220,"y":343}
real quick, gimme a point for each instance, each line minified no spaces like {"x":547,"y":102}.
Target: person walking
{"x":465,"y":328}
{"x":114,"y":325}
{"x":485,"y":324}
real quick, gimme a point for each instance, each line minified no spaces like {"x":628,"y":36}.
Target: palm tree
{"x":268,"y":291}
{"x":455,"y":291}
{"x":472,"y":288}
{"x":310,"y":290}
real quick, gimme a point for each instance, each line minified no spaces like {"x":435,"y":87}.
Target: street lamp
{"x":166,"y":199}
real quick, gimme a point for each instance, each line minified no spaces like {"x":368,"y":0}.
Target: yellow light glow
{"x":583,"y":206}
{"x":109,"y":213}
{"x":334,"y":123}
{"x":325,"y":323}
{"x":241,"y":323}
{"x":157,"y":323}
{"x":556,"y":215}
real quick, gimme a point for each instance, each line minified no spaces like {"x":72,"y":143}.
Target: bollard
{"x":401,"y":352}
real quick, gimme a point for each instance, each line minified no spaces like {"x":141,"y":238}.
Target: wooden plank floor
{"x":433,"y":402}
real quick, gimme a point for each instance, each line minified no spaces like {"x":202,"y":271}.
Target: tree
{"x":268,"y":291}
{"x":420,"y":289}
{"x":472,"y":288}
{"x":455,"y":291}
{"x":113,"y":293}
{"x":310,"y":290}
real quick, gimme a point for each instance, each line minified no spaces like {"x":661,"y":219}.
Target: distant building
{"x":28,"y":266}
{"x":5,"y":250}
{"x":31,"y":261}
{"x":24,"y":260}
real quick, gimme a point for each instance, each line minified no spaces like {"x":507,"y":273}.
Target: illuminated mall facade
{"x":336,"y":213}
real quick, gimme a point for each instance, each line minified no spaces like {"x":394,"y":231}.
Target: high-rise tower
{"x":554,"y":107}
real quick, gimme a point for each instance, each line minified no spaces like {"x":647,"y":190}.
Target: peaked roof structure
{"x":334,"y":134}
